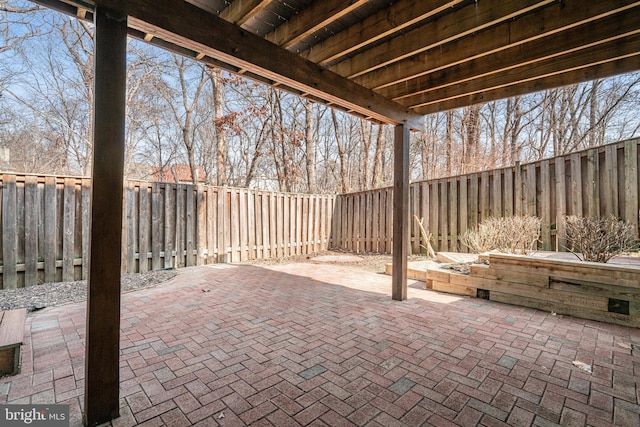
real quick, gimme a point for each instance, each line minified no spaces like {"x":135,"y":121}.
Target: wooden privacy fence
{"x":45,"y":224}
{"x":594,"y":182}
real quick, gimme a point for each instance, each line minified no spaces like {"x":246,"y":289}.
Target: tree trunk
{"x":221,"y":149}
{"x":448,"y":141}
{"x":341,"y":153}
{"x":376,"y":179}
{"x":310,"y":151}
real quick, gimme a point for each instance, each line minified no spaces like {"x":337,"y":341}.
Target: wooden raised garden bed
{"x":604,"y":292}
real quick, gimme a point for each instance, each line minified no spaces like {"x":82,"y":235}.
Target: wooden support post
{"x":400,"y":211}
{"x":103,"y":298}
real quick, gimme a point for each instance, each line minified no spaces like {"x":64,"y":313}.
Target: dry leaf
{"x":625,"y":345}
{"x":582,"y":365}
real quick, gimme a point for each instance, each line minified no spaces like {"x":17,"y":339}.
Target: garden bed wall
{"x":604,"y":292}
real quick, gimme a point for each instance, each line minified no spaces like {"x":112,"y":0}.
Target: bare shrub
{"x":511,"y":235}
{"x":598,"y":239}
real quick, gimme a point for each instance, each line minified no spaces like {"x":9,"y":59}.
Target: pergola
{"x":387,"y":61}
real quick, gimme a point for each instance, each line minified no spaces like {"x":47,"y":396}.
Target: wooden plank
{"x":181,"y":210}
{"x":365,"y":218}
{"x":102,"y":378}
{"x":545,"y":205}
{"x":576,"y":184}
{"x":473,"y":202}
{"x":414,"y":205}
{"x":265,"y":226}
{"x":324,"y":220}
{"x":308,"y":204}
{"x":438,"y":275}
{"x":143,"y":227}
{"x":462,"y":210}
{"x":611,"y":180}
{"x":400,"y":212}
{"x":435,"y":213}
{"x":375,"y":222}
{"x":336,"y":224}
{"x":210,"y":219}
{"x":331,"y":212}
{"x":530,"y":190}
{"x":279,"y":225}
{"x":258,"y":208}
{"x":305,"y":226}
{"x":316,"y":223}
{"x":251,"y":225}
{"x":299,"y":225}
{"x":221,"y":224}
{"x":424,"y":210}
{"x":190,"y":233}
{"x":362,"y":218}
{"x":451,"y":288}
{"x":561,"y":204}
{"x":273,"y":240}
{"x":50,"y":229}
{"x":509,"y":192}
{"x":593,"y":183}
{"x":12,"y":327}
{"x":354,"y":217}
{"x":170,"y":228}
{"x":517,"y":189}
{"x":453,"y":214}
{"x":506,"y":274}
{"x":234,"y":224}
{"x":31,"y":214}
{"x":596,"y":272}
{"x":201,"y":229}
{"x":156,"y":229}
{"x":631,"y":184}
{"x":595,"y":289}
{"x":496,"y":193}
{"x":85,"y":215}
{"x":588,"y":302}
{"x":389,"y":220}
{"x":291,"y":220}
{"x":130,"y":226}
{"x":68,"y":224}
{"x":484,"y":202}
{"x":228,"y":224}
{"x":444,"y":215}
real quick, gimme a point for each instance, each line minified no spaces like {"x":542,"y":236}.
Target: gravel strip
{"x":52,"y":294}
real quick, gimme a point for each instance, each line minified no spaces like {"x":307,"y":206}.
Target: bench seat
{"x":11,"y":336}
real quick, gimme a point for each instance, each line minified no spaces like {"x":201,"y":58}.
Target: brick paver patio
{"x":305,"y":344}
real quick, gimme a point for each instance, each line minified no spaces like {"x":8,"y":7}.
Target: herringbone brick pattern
{"x":305,"y":344}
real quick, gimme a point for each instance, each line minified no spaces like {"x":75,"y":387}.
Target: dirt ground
{"x":369,"y":262}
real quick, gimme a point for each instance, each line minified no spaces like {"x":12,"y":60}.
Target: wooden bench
{"x":11,"y":336}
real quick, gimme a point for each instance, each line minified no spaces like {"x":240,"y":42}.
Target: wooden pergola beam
{"x":102,"y":380}
{"x":376,"y":27}
{"x":239,"y":12}
{"x":188,"y":26}
{"x":607,"y":69}
{"x":312,"y":19}
{"x":574,"y":61}
{"x":523,"y":31}
{"x":612,"y":30}
{"x":468,"y":20}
